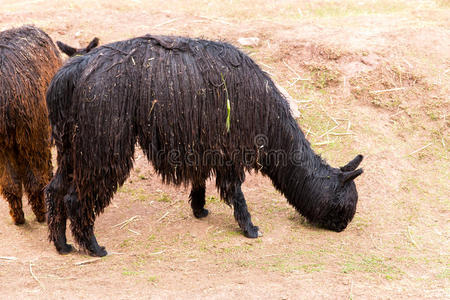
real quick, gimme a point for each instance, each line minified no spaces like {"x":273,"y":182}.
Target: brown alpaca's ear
{"x":353,"y":164}
{"x":66,"y":48}
{"x":347,"y":176}
{"x":92,"y":44}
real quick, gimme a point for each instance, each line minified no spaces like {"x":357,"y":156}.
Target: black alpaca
{"x":197,"y":108}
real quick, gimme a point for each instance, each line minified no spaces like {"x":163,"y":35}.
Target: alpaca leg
{"x":242,"y":215}
{"x":197,"y":198}
{"x":15,"y":205}
{"x":57,"y":216}
{"x":82,"y":224}
{"x":85,"y":237}
{"x":11,"y":188}
{"x":232,"y":194}
{"x":34,"y":188}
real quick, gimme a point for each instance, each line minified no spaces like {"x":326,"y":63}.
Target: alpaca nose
{"x":338,"y":227}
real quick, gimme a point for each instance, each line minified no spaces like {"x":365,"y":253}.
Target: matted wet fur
{"x":28,"y":61}
{"x":170,"y":95}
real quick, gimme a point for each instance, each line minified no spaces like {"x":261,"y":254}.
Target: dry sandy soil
{"x":369,"y":77}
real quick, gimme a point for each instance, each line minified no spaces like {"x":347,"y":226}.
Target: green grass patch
{"x":127,"y":272}
{"x":137,"y":194}
{"x":153,"y":279}
{"x":212,"y":199}
{"x":325,"y":9}
{"x":444,"y":274}
{"x":323,"y":77}
{"x":164,"y":197}
{"x":309,"y":268}
{"x":371,"y":264}
{"x":285,"y":265}
{"x":126,"y":243}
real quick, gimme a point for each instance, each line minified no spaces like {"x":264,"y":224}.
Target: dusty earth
{"x":368,"y":77}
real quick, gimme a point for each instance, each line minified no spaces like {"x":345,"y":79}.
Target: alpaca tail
{"x":59,"y":104}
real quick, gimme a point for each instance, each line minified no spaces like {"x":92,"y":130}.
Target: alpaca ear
{"x":92,"y":45}
{"x":353,"y":164}
{"x":66,"y":48}
{"x":347,"y":176}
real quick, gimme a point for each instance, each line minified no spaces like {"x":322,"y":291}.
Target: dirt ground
{"x":370,"y":77}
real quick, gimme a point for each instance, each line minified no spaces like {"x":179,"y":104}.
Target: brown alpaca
{"x":28,"y":61}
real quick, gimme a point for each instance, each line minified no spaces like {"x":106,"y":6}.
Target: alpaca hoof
{"x":65,"y":249}
{"x":252,"y":232}
{"x":19,"y":221}
{"x":99,"y":251}
{"x":201,"y":213}
{"x":41,"y":218}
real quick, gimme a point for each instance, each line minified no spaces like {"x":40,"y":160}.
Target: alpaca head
{"x":340,"y":206}
{"x":70,"y":51}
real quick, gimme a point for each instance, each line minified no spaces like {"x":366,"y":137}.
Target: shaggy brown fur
{"x":197,"y":108}
{"x":28,"y":61}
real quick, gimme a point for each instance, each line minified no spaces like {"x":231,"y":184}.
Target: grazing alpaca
{"x":28,"y":61}
{"x":197,"y":108}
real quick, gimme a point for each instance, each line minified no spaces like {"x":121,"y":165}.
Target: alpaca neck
{"x":302,"y":175}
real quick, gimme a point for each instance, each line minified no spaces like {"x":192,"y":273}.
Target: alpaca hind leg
{"x":34,"y":188}
{"x":56,"y":215}
{"x":197,"y":199}
{"x":82,"y":224}
{"x":11,"y":188}
{"x":15,"y":205}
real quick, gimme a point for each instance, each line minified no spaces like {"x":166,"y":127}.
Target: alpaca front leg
{"x":242,"y":215}
{"x":197,"y":198}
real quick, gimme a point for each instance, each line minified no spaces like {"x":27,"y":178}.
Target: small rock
{"x":371,"y":60}
{"x":250,"y":41}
